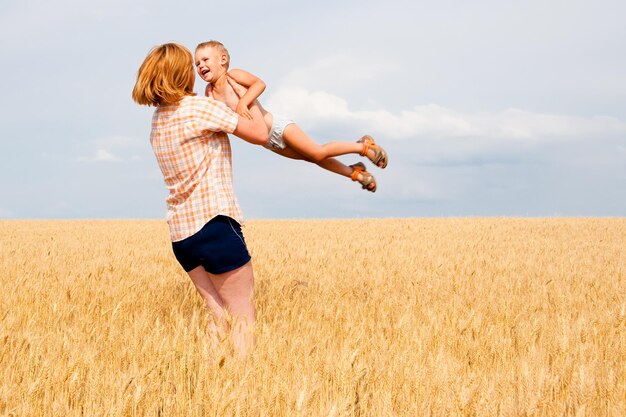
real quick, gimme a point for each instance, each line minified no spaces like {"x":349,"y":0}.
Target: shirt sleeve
{"x":215,"y":116}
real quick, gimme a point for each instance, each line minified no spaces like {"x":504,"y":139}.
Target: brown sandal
{"x":380,"y":156}
{"x":367,"y":178}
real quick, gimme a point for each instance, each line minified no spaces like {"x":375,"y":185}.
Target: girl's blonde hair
{"x":219,"y":46}
{"x":165,"y":77}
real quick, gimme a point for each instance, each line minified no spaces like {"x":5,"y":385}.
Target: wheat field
{"x":393,"y":317}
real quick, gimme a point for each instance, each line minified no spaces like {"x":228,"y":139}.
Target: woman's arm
{"x":253,"y":130}
{"x":255,"y":87}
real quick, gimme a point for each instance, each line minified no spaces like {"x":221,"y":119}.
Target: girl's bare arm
{"x":255,"y":87}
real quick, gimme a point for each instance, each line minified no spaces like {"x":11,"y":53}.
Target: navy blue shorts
{"x":219,"y":247}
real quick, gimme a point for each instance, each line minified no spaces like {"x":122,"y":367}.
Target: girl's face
{"x":210,"y":64}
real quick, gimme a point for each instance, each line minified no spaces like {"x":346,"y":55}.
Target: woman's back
{"x":194,"y":155}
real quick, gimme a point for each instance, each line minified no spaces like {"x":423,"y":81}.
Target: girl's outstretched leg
{"x":332,"y":165}
{"x":302,"y":143}
{"x":298,"y":140}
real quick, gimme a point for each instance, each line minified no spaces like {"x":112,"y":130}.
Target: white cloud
{"x":105,"y":156}
{"x":306,"y":105}
{"x":102,"y":155}
{"x":119,"y":142}
{"x":314,"y":107}
{"x":115,"y":148}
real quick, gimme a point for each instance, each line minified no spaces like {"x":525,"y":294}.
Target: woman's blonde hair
{"x":165,"y":77}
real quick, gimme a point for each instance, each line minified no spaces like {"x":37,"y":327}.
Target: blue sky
{"x":486,"y":108}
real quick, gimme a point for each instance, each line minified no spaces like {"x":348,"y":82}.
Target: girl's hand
{"x":239,"y":89}
{"x":242,"y":110}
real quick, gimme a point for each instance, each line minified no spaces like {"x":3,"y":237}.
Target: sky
{"x":486,"y":108}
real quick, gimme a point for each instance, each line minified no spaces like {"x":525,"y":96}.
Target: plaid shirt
{"x":193,"y":151}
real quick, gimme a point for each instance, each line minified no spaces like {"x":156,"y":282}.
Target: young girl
{"x":239,"y":89}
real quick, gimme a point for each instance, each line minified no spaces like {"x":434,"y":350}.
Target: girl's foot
{"x":374,"y":153}
{"x":359,"y":174}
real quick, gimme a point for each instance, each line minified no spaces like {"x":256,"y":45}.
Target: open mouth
{"x":205,"y":71}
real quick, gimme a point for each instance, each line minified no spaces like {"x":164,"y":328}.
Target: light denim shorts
{"x":279,"y":123}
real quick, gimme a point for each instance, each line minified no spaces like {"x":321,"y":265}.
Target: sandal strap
{"x":366,"y":147}
{"x":357,"y":169}
{"x":366,"y":177}
{"x":379,"y":153}
{"x":367,"y":142}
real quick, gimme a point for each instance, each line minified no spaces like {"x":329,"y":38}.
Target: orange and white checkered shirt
{"x":191,"y":146}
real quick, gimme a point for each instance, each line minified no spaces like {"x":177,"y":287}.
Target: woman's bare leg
{"x":235,"y":289}
{"x":204,"y":285}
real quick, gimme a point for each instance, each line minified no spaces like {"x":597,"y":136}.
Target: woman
{"x":190,"y":142}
